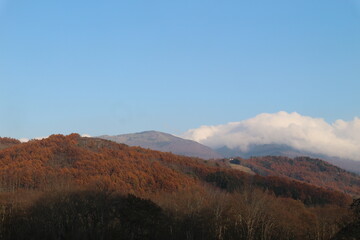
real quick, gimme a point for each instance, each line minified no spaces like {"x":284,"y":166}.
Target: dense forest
{"x":69,"y":187}
{"x":305,"y":169}
{"x":8,"y":142}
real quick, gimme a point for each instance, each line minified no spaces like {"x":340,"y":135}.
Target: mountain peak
{"x":165,"y":142}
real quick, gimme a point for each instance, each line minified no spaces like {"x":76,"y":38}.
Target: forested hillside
{"x":8,"y":142}
{"x":305,"y":169}
{"x":69,"y":187}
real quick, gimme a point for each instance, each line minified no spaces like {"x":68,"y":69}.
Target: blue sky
{"x":112,"y":67}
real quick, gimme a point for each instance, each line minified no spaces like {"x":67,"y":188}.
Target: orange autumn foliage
{"x":63,"y":162}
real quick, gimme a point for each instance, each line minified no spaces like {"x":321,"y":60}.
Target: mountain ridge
{"x":305,"y":169}
{"x":44,"y":183}
{"x":6,"y":142}
{"x":287,"y":151}
{"x":165,"y":142}
{"x":65,"y":161}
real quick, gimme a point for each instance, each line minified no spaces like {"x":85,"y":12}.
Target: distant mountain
{"x":287,"y":151}
{"x":166,"y":143}
{"x":305,"y":169}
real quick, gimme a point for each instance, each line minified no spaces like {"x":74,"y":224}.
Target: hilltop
{"x":166,"y":143}
{"x":6,"y":142}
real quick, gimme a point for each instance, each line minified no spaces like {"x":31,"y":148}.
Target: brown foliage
{"x":6,"y":142}
{"x":305,"y":169}
{"x":62,"y":162}
{"x":65,"y":160}
{"x":198,"y":199}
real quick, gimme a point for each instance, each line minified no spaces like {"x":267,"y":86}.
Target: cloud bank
{"x":23,"y":140}
{"x":314,"y":135}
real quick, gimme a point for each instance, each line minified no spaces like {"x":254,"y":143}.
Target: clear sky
{"x":112,"y":67}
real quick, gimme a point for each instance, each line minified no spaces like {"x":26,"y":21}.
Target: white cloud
{"x":40,"y":138}
{"x":23,"y":140}
{"x":85,"y":135}
{"x":339,"y":139}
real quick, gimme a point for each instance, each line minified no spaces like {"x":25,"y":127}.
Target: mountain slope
{"x":72,"y":161}
{"x":261,"y":150}
{"x":166,"y":143}
{"x":287,"y":151}
{"x":309,"y":170}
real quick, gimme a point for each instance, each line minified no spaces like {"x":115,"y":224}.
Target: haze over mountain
{"x":227,"y":74}
{"x":285,"y":134}
{"x":169,"y":143}
{"x":166,"y":143}
{"x":287,"y":151}
{"x":261,"y":150}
